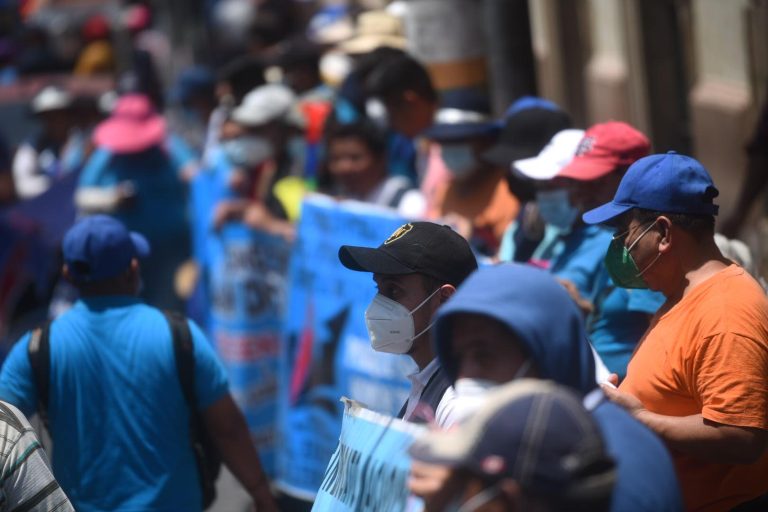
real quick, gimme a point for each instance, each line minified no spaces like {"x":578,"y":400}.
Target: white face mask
{"x":459,"y":159}
{"x":390,"y":324}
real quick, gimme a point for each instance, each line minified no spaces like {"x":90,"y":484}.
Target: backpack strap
{"x":207,"y":459}
{"x":185,"y":357}
{"x":39,"y":353}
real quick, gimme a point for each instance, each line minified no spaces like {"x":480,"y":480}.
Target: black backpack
{"x":207,"y":457}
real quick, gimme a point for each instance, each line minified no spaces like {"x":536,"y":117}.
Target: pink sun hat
{"x":134,"y":126}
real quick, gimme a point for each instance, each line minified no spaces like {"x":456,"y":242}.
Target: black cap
{"x":416,"y":247}
{"x":525,"y":133}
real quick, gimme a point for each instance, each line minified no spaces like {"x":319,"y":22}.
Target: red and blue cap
{"x":668,"y":183}
{"x":99,"y":247}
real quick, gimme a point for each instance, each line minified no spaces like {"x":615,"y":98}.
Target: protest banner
{"x":326,"y":351}
{"x":369,"y":469}
{"x":247,"y":283}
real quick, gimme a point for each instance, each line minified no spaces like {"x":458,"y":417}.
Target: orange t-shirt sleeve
{"x":729,"y":374}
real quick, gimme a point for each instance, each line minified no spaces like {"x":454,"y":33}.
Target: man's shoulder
{"x":13,"y":424}
{"x":729,"y":299}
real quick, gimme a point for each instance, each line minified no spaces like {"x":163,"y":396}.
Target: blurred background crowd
{"x":93,"y":92}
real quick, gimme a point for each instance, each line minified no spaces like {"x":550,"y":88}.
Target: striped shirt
{"x":26,"y":481}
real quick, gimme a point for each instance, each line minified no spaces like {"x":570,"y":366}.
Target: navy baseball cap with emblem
{"x":416,"y":247}
{"x":667,"y":183}
{"x":533,"y":431}
{"x":98,"y":247}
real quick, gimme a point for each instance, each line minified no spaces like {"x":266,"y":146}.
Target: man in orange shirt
{"x":699,"y":377}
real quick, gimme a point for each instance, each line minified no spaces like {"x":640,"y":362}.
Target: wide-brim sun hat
{"x":375,"y":29}
{"x":134,"y":126}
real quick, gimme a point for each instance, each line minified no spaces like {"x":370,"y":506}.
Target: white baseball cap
{"x":267,"y":103}
{"x":556,"y":155}
{"x":51,"y":98}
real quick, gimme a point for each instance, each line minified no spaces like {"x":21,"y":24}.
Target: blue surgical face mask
{"x":459,"y":159}
{"x":247,"y":151}
{"x":556,"y":209}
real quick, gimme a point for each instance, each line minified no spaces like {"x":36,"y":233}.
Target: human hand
{"x":426,"y":480}
{"x":625,"y":400}
{"x":226,"y":211}
{"x":258,"y":217}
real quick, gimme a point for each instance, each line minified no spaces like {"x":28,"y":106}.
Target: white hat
{"x":271,"y":102}
{"x":556,"y":154}
{"x":375,"y":29}
{"x":51,"y":98}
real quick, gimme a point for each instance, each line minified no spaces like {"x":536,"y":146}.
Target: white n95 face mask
{"x":390,"y":324}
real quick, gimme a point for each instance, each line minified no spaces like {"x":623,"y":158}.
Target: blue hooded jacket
{"x":513,"y":294}
{"x":538,"y":310}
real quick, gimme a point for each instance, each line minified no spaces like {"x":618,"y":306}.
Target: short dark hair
{"x":699,"y":225}
{"x":396,"y":76}
{"x":363,"y":130}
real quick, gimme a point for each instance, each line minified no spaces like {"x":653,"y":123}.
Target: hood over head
{"x":534,"y":306}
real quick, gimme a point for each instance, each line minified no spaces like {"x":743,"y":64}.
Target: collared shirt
{"x":419,"y":381}
{"x":444,"y":413}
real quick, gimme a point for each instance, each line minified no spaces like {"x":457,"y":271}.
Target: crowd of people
{"x":584,"y":339}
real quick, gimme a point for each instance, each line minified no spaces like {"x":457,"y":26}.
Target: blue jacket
{"x":546,"y":321}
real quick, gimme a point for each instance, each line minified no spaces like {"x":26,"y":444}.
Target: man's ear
{"x":445,"y":292}
{"x":665,"y":233}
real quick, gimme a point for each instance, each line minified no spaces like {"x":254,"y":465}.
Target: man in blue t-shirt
{"x":117,"y":414}
{"x":618,"y":317}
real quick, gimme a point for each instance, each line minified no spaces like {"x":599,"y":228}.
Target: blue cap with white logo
{"x":99,"y":247}
{"x":668,"y":183}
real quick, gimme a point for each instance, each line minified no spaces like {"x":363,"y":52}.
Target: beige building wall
{"x":721,"y":100}
{"x":607,"y":73}
{"x":546,"y":50}
{"x":722,"y":97}
{"x":613,"y":77}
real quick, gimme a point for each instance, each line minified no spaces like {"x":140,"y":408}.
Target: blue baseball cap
{"x":668,"y":182}
{"x":99,"y":247}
